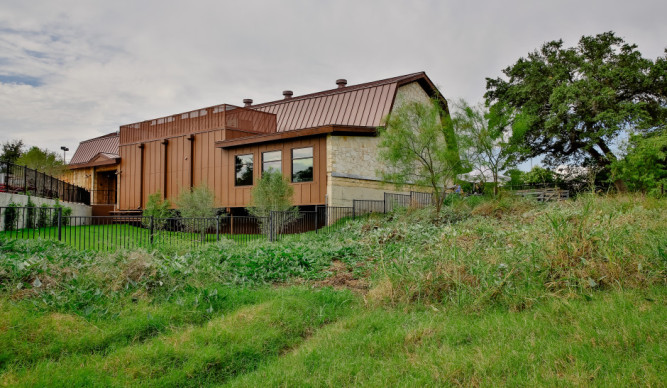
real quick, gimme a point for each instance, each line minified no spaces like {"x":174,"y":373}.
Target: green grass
{"x":488,"y":293}
{"x":122,"y":236}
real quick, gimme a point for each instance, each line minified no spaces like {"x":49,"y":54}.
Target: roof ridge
{"x":340,"y":90}
{"x":111,"y":134}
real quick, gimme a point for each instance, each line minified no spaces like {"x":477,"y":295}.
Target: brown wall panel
{"x":212,"y":166}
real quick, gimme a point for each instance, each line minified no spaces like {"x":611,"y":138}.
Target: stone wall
{"x":353,"y":164}
{"x":78,"y":209}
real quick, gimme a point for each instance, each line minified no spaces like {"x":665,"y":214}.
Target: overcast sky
{"x":72,"y":70}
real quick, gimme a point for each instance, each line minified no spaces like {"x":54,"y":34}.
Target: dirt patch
{"x":341,"y":277}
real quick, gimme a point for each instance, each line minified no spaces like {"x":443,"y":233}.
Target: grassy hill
{"x":489,"y":292}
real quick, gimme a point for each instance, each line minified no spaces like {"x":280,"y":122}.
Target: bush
{"x":31,"y":213}
{"x":195,"y":205}
{"x":11,"y":216}
{"x":157,"y":208}
{"x":66,"y":213}
{"x":43,"y":216}
{"x":273,"y":193}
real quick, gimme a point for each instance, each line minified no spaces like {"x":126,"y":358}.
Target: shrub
{"x":195,"y":205}
{"x":31,"y":211}
{"x":11,"y":216}
{"x":66,"y":214}
{"x":43,"y":216}
{"x":157,"y":208}
{"x":273,"y":193}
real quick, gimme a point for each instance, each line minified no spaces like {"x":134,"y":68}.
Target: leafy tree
{"x":517,"y":177}
{"x":570,"y":104}
{"x":42,"y":160}
{"x":157,"y":208}
{"x":273,"y":193}
{"x":539,"y":176}
{"x":484,"y":135}
{"x":196,"y":206}
{"x":418,"y":146}
{"x":644,"y":166}
{"x":11,"y":150}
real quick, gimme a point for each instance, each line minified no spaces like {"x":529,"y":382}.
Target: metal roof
{"x":357,"y":105}
{"x":88,"y":149}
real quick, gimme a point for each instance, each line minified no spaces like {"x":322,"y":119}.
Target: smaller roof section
{"x":99,"y":148}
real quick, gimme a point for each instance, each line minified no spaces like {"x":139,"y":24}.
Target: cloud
{"x":74,"y":70}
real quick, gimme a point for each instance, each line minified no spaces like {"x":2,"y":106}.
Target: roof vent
{"x":287,"y":94}
{"x":341,"y":82}
{"x":247,"y":101}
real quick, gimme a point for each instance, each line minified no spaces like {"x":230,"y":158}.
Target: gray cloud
{"x":73,"y":70}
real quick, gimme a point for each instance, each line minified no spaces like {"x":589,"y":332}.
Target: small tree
{"x":157,"y":208}
{"x":418,"y":147}
{"x":273,"y":193}
{"x":11,"y":150}
{"x":484,"y":135}
{"x":196,"y":206}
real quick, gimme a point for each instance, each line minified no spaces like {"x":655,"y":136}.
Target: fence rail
{"x":17,"y":179}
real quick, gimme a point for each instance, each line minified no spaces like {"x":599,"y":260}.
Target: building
{"x":325,"y":143}
{"x":94,"y":167}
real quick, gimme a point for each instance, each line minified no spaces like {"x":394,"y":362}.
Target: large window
{"x":272,"y":161}
{"x":243,"y":169}
{"x":302,"y":164}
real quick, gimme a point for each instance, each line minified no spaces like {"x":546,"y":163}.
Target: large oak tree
{"x":571,"y":104}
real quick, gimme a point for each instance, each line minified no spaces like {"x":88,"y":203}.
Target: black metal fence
{"x":108,"y":233}
{"x":23,"y":180}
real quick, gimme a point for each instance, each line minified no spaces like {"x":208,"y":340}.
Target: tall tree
{"x":572,"y":103}
{"x":11,"y":150}
{"x":484,"y":135}
{"x":416,"y":145}
{"x":42,"y":160}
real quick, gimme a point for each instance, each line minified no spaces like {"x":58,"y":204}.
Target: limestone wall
{"x":353,"y":164}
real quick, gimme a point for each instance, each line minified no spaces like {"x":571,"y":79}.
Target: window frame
{"x":311,"y":157}
{"x":252,"y":177}
{"x":273,"y":161}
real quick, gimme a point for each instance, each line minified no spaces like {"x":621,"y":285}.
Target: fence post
{"x":270,"y":231}
{"x":60,"y":223}
{"x":354,"y":208}
{"x":217,"y":227}
{"x":316,"y":225}
{"x":25,"y":179}
{"x":152,"y":225}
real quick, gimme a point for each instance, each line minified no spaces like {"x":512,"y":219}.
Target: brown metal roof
{"x":363,"y":105}
{"x":89,"y":149}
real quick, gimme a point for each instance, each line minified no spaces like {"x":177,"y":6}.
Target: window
{"x":302,"y":164}
{"x":243,"y":168}
{"x":272,"y":160}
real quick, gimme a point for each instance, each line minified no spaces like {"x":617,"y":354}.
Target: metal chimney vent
{"x":287,"y":94}
{"x":247,"y":101}
{"x":341,"y":82}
